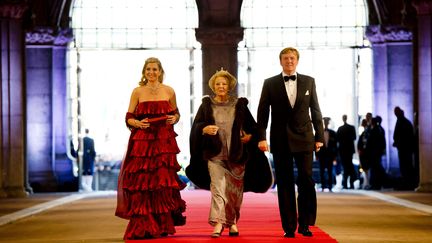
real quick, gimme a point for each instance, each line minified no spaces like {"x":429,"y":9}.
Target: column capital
{"x":219,"y":36}
{"x":388,"y":33}
{"x":424,"y":7}
{"x":47,"y":36}
{"x":13,"y":10}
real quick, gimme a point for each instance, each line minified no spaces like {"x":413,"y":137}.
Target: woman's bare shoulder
{"x":168,"y":88}
{"x":137,"y":92}
{"x":137,"y":89}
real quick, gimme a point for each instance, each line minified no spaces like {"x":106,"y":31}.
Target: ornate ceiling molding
{"x":47,"y":36}
{"x":382,"y":34}
{"x":13,"y":11}
{"x":424,"y":7}
{"x":219,"y":36}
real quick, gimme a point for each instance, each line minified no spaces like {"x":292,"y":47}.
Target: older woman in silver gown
{"x":224,"y":154}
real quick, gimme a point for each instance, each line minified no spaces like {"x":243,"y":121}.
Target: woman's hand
{"x":210,"y":129}
{"x":244,"y":137}
{"x":140,"y":124}
{"x":173,"y":119}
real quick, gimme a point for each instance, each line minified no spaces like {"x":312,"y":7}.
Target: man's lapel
{"x":283,"y":93}
{"x":301,"y":91}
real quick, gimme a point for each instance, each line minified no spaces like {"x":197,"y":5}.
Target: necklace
{"x":222,"y":101}
{"x":154,"y":88}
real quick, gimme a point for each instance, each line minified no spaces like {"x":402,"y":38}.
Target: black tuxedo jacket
{"x":346,"y":136}
{"x":89,"y":150}
{"x":291,"y":128}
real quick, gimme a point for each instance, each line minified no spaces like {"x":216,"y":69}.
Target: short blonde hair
{"x":232,"y":81}
{"x":288,"y":50}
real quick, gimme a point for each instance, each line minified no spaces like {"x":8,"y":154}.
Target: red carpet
{"x":259,"y":222}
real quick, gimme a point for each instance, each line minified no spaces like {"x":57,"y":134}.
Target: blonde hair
{"x":232,"y":81}
{"x":288,"y":50}
{"x":144,"y":81}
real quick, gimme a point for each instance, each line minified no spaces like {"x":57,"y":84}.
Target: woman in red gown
{"x":148,"y":186}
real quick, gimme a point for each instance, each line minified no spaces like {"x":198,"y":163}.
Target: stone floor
{"x":348,"y":216}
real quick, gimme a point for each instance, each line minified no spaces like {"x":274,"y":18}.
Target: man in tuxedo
{"x":327,"y":156}
{"x":404,"y":141}
{"x":346,"y":136}
{"x":294,"y":106}
{"x":89,"y":155}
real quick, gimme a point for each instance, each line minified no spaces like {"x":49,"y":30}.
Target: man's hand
{"x":318,"y":146}
{"x":263,"y":146}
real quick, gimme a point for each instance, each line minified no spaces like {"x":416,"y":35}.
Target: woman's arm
{"x":131,"y":121}
{"x":173,"y":119}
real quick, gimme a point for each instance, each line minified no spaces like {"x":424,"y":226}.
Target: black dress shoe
{"x":304,"y":230}
{"x":289,"y":235}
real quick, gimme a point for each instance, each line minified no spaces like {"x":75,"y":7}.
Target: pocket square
{"x":307,"y":92}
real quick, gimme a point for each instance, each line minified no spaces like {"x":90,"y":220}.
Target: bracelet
{"x":134,"y":122}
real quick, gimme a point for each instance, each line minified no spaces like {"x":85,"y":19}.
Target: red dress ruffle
{"x":149,"y":187}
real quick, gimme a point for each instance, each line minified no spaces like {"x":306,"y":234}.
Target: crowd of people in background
{"x":340,"y":146}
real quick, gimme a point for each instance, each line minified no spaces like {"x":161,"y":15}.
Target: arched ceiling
{"x":55,"y":14}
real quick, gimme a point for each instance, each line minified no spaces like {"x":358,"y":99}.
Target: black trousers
{"x":406,"y":166}
{"x":378,"y":175}
{"x":306,"y":199}
{"x":348,"y":170}
{"x":326,"y":165}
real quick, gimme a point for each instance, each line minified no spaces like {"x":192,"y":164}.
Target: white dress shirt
{"x":291,"y":89}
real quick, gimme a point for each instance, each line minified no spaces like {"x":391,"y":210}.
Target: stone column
{"x":424,"y":55}
{"x":219,"y":50}
{"x":392,"y":81}
{"x":49,"y":167}
{"x":12,"y":101}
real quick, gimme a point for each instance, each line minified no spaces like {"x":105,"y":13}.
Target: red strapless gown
{"x":149,"y":187}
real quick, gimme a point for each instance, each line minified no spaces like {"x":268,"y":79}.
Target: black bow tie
{"x":287,"y":78}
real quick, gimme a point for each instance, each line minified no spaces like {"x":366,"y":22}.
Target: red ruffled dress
{"x":148,"y":186}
